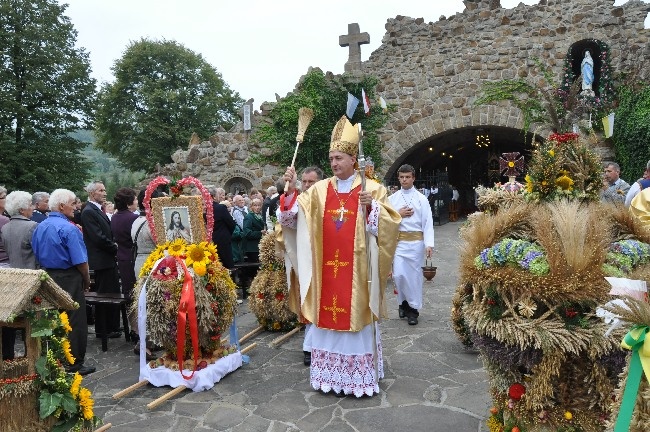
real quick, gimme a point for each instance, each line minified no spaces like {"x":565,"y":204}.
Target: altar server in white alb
{"x":415,"y":243}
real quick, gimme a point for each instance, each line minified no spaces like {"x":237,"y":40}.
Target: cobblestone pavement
{"x":431,"y":382}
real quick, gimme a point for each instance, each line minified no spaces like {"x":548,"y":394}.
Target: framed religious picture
{"x":178,"y":217}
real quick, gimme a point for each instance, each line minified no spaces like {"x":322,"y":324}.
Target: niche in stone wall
{"x":577,"y":54}
{"x":237,"y":185}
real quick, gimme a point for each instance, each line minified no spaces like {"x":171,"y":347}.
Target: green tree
{"x":327,"y":96}
{"x":162,"y":93}
{"x":632,"y":131}
{"x":45,"y":93}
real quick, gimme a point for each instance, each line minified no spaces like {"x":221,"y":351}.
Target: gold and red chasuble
{"x":339,"y":226}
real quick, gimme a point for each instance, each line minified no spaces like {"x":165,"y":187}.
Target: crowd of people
{"x":73,"y":241}
{"x":109,"y":241}
{"x":343,"y":237}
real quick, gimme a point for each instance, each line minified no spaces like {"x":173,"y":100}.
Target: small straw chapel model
{"x":30,"y":300}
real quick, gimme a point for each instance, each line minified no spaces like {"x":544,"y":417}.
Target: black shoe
{"x":340,"y":394}
{"x":149,"y":356}
{"x":307,"y":358}
{"x":403,"y":308}
{"x":86,"y":370}
{"x":111,"y":335}
{"x":134,"y":337}
{"x":153,"y":347}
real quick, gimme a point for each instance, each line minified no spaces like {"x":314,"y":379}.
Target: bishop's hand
{"x":365,"y":198}
{"x":290,"y":176}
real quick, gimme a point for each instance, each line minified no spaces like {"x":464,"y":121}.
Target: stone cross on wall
{"x":354,"y":39}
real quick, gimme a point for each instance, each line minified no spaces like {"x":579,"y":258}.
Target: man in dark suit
{"x":40,"y":200}
{"x":102,"y":252}
{"x":223,"y":227}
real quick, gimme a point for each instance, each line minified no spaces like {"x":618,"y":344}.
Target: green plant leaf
{"x":65,"y":426}
{"x":48,"y":403}
{"x":69,"y":403}
{"x":41,"y":367}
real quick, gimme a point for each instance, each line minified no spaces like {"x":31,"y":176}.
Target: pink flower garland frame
{"x":185,"y":181}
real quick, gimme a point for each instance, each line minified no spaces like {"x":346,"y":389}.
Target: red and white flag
{"x":366,"y":102}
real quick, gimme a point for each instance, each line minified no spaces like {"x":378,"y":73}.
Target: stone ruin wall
{"x":433,"y":72}
{"x":223,"y":156}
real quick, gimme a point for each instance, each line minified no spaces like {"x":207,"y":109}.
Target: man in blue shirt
{"x":59,"y":247}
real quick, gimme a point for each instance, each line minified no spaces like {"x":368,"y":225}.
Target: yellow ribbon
{"x":634,"y":340}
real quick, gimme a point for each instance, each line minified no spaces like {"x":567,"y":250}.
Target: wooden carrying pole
{"x":278,"y":340}
{"x":305,"y":116}
{"x":251,"y":334}
{"x":130,"y":389}
{"x":170,"y":394}
{"x":248,"y":348}
{"x":105,"y":427}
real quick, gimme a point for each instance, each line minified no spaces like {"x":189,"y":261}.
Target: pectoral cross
{"x":341,"y":212}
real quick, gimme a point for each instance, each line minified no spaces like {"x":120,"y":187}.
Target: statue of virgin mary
{"x":587,"y":69}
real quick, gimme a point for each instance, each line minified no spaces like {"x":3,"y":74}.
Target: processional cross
{"x":511,"y":165}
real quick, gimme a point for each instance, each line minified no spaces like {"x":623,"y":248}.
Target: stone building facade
{"x":433,"y":72}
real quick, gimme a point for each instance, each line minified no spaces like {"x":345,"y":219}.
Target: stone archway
{"x":464,"y":157}
{"x":239,"y":180}
{"x":237,"y":186}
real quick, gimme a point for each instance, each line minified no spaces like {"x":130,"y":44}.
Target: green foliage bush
{"x":327,"y":96}
{"x":632,"y":131}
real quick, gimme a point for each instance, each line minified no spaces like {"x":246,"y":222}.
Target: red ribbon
{"x":187,"y":311}
{"x":291,"y":203}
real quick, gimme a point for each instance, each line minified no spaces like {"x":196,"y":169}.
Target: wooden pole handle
{"x":251,"y":334}
{"x":130,"y":389}
{"x":168,"y":395}
{"x":280,"y":339}
{"x":293,"y":163}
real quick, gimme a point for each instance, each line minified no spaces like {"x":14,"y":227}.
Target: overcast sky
{"x":260,"y":47}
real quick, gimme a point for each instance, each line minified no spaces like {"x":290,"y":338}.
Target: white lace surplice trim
{"x":352,"y":374}
{"x":373,"y":219}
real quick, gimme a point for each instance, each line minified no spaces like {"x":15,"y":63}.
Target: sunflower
{"x":211,"y":247}
{"x":177,"y":247}
{"x":86,"y":403}
{"x":197,"y":252}
{"x":65,"y":344}
{"x":564,"y":181}
{"x":198,"y":256}
{"x":199,"y":268}
{"x":529,"y":183}
{"x":76,"y":385}
{"x":65,"y":322}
